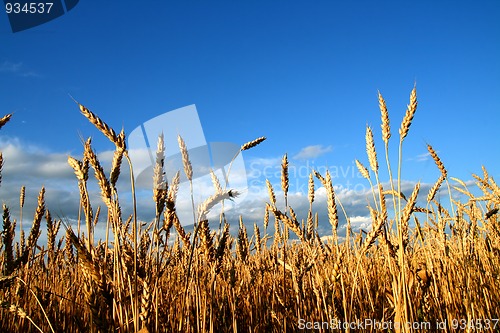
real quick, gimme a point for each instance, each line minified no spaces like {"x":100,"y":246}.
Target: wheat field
{"x":425,"y":265}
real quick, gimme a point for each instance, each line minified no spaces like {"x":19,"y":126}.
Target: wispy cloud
{"x":421,"y":157}
{"x":312,"y":152}
{"x":17,"y":68}
{"x":10,"y":67}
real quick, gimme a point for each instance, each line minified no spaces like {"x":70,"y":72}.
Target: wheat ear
{"x":252,"y":144}
{"x":332,"y":206}
{"x":410,"y":112}
{"x":370,"y":150}
{"x":386,"y":128}
{"x":437,"y":160}
{"x":188,"y":168}
{"x":270,"y":190}
{"x":405,"y":217}
{"x":5,"y":119}
{"x":101,"y":125}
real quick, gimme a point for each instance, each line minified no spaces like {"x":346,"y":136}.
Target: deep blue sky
{"x":302,"y":73}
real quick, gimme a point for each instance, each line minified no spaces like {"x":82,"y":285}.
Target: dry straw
{"x":110,"y":286}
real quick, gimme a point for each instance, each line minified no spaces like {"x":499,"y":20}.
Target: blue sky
{"x":305,"y":74}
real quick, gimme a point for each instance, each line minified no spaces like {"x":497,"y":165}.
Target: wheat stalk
{"x":102,"y":126}
{"x":35,"y":228}
{"x":5,"y":119}
{"x":433,"y":190}
{"x":386,"y":129}
{"x":160,"y":186}
{"x":252,"y":144}
{"x":437,"y":160}
{"x":221,"y":248}
{"x":1,"y":166}
{"x":243,"y":247}
{"x":309,"y":226}
{"x":370,"y":150}
{"x":362,"y":170}
{"x":19,"y":312}
{"x":270,"y":190}
{"x":320,"y":177}
{"x":8,"y":238}
{"x":215,"y":181}
{"x":410,"y":112}
{"x":22,"y":196}
{"x":206,"y":240}
{"x":188,"y":168}
{"x":117,"y":159}
{"x":284,"y":176}
{"x":310,"y":189}
{"x":405,"y":217}
{"x":332,"y":206}
{"x":258,"y":240}
{"x":290,"y":222}
{"x":266,"y":217}
{"x":104,"y":185}
{"x":214,"y":199}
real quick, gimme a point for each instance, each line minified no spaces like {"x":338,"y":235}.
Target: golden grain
{"x":386,"y":129}
{"x":188,"y":168}
{"x":408,"y":118}
{"x":237,"y":282}
{"x":437,"y":160}
{"x":252,"y":144}
{"x":5,"y":119}
{"x":362,"y":170}
{"x":370,"y":150}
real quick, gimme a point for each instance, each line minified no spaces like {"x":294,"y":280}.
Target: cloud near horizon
{"x":33,"y":167}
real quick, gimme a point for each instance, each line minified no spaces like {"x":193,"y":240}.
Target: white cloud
{"x":310,"y":152}
{"x":11,"y":67}
{"x":361,"y":222}
{"x":420,"y":158}
{"x":17,"y":68}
